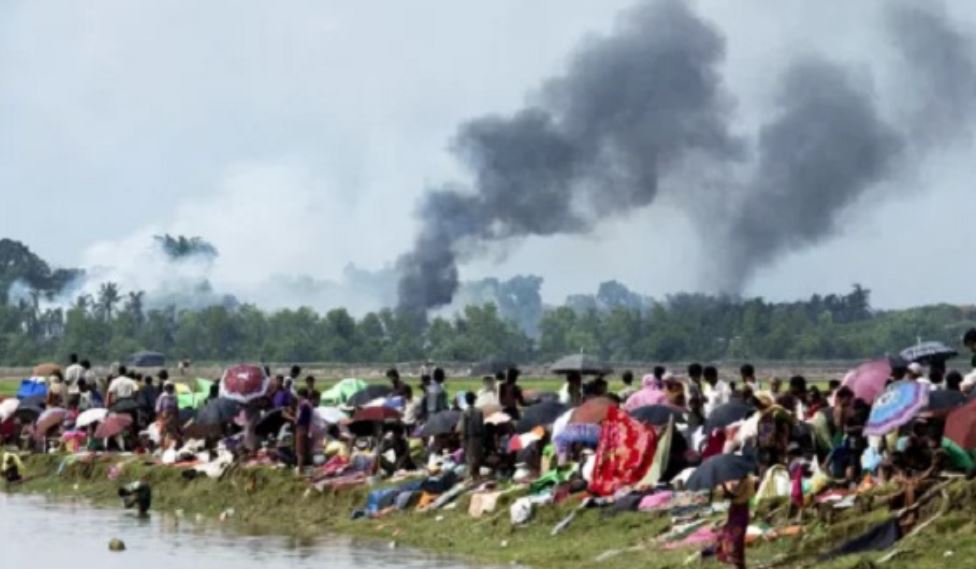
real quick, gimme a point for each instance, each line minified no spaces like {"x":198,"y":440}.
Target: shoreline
{"x":268,"y":501}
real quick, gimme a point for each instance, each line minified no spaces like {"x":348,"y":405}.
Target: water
{"x":42,"y":533}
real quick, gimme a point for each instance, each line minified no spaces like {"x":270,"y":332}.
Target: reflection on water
{"x":41,"y":533}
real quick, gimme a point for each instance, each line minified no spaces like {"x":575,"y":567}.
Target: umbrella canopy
{"x":45,"y":370}
{"x":28,"y":413}
{"x":899,"y":404}
{"x":658,"y":414}
{"x":7,"y":408}
{"x":340,"y":393}
{"x":369,"y":393}
{"x":441,"y":424}
{"x":868,"y":380}
{"x":376,"y":414}
{"x":270,"y":423}
{"x":943,"y":401}
{"x":218,"y":412}
{"x":114,"y":424}
{"x":90,"y":417}
{"x":244,"y":383}
{"x":539,"y":415}
{"x":331,"y":415}
{"x":48,"y":419}
{"x":960,"y":426}
{"x":724,"y":415}
{"x":592,"y":411}
{"x":582,"y":363}
{"x":720,"y":469}
{"x":926,"y":352}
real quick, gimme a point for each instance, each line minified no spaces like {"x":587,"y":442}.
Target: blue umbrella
{"x":899,"y":404}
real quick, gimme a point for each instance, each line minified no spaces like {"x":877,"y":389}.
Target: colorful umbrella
{"x":48,"y":419}
{"x":960,"y":426}
{"x":376,"y":414}
{"x":720,"y":469}
{"x":7,"y":408}
{"x":45,"y":370}
{"x":899,"y":404}
{"x":592,"y":411}
{"x":112,"y":425}
{"x":868,"y":380}
{"x":244,"y":383}
{"x":90,"y":417}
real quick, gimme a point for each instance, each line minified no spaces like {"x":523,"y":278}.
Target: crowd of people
{"x":815,"y":435}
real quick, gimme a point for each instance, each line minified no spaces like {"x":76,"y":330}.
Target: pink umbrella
{"x":48,"y":419}
{"x":244,"y":383}
{"x":867,"y":381}
{"x":113,"y":424}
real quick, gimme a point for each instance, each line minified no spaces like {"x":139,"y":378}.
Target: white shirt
{"x":486,"y":396}
{"x":717,"y":395}
{"x":73,"y":374}
{"x":123,"y":387}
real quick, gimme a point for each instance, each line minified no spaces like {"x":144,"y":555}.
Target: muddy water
{"x":35,"y":532}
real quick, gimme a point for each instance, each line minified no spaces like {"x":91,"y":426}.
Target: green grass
{"x":273,"y":501}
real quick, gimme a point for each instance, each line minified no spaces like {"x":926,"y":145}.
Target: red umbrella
{"x":376,"y":414}
{"x":960,"y":427}
{"x":867,"y":381}
{"x":113,"y":424}
{"x":592,"y":411}
{"x":244,"y":383}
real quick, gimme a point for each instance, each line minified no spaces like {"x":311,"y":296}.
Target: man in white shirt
{"x":716,"y":391}
{"x":73,"y":373}
{"x":122,"y":387}
{"x":488,"y":394}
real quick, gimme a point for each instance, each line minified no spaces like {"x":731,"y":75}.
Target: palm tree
{"x":108,"y":297}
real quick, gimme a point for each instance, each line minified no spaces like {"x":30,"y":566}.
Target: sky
{"x":298,"y":137}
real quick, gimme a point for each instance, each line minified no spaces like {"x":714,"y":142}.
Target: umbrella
{"x":441,"y":424}
{"x":244,"y":383}
{"x":125,"y":406}
{"x":899,"y":404}
{"x":187,"y":415}
{"x":658,"y":414}
{"x":376,"y":414}
{"x":720,"y":469}
{"x":45,"y":370}
{"x":7,"y":408}
{"x":868,"y":380}
{"x":48,"y":419}
{"x":538,"y":415}
{"x":331,"y":414}
{"x":270,"y":423}
{"x":724,"y":415}
{"x":114,"y":424}
{"x":90,"y":417}
{"x":960,"y":426}
{"x":943,"y":401}
{"x":582,"y":363}
{"x":218,"y":412}
{"x":27,"y":413}
{"x":368,"y":394}
{"x":925,"y":352}
{"x":592,"y":411}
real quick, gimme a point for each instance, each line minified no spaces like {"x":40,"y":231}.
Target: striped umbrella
{"x":898,"y":405}
{"x":244,"y":383}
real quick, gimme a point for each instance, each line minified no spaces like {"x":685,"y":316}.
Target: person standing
{"x":168,"y":411}
{"x":629,"y":389}
{"x":716,"y":391}
{"x":695,"y":396}
{"x":122,"y":388}
{"x":510,"y":395}
{"x":314,"y":395}
{"x":437,"y":394}
{"x":281,"y":398}
{"x":731,"y":546}
{"x":73,"y":373}
{"x":748,"y":374}
{"x":488,"y":394}
{"x":472,"y":430}
{"x":303,"y":426}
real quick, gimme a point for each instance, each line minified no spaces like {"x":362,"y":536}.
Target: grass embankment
{"x":273,"y":501}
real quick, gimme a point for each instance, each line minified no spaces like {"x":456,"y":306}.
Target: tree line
{"x":113,"y":324}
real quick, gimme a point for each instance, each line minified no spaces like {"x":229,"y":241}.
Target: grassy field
{"x":273,"y":501}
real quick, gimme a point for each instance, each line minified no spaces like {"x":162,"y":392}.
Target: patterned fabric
{"x":624,"y":455}
{"x":731,"y":546}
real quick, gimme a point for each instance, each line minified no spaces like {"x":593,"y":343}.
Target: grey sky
{"x":298,"y":137}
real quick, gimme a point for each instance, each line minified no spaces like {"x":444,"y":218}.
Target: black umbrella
{"x":187,"y":415}
{"x":270,"y":423}
{"x":720,"y":469}
{"x":926,"y":352}
{"x":218,"y":412}
{"x":368,"y":394}
{"x":944,"y":400}
{"x":539,"y":415}
{"x":28,"y":413}
{"x":658,"y":414}
{"x":582,"y":363}
{"x":724,"y":415}
{"x":441,"y":424}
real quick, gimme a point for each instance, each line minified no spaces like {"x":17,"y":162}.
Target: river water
{"x":42,"y":533}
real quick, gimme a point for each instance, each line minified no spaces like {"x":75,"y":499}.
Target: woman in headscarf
{"x":651,"y":393}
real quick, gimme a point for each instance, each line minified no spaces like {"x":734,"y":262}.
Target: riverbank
{"x":274,"y":501}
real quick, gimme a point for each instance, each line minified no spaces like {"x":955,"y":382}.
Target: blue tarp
{"x":31,"y":388}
